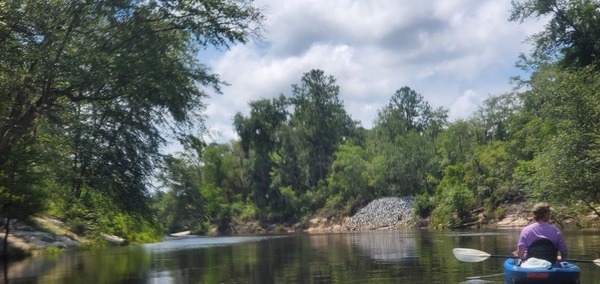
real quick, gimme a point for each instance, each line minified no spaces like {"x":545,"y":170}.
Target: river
{"x":412,"y":256}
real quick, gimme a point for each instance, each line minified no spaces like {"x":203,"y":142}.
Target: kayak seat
{"x":543,"y":249}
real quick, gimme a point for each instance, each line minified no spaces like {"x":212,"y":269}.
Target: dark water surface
{"x":367,"y":257}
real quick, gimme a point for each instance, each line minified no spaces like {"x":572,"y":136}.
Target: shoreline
{"x":48,"y":234}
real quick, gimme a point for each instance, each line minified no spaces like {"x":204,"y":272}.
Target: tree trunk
{"x":5,"y":242}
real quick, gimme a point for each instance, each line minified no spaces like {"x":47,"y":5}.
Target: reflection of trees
{"x":29,"y":267}
{"x":81,"y":267}
{"x":393,"y":246}
{"x":378,"y":256}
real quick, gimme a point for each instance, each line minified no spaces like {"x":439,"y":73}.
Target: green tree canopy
{"x":570,"y":37}
{"x":104,"y":79}
{"x":259,"y":138}
{"x":320,"y":121}
{"x":560,"y":107}
{"x":119,"y":51}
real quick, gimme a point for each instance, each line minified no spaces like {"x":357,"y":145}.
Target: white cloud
{"x":454,"y":53}
{"x":466,"y":104}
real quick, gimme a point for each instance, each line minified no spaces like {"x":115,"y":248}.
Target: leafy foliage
{"x":567,"y":164}
{"x":320,"y":123}
{"x":89,"y":88}
{"x":571,"y":36}
{"x":349,"y":184}
{"x":96,"y":84}
{"x":540,"y":142}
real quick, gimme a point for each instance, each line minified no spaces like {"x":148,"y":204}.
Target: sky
{"x":455,"y":53}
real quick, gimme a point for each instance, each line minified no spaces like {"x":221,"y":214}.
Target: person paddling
{"x":540,"y":239}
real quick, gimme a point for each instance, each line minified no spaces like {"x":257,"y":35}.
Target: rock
{"x":383,"y":213}
{"x":512,"y":221}
{"x":180,"y":234}
{"x":48,"y":233}
{"x":116,"y":240}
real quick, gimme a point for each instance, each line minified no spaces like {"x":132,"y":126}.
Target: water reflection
{"x":389,"y":246}
{"x":367,"y":257}
{"x":478,"y":233}
{"x":75,"y":267}
{"x":194,"y":242}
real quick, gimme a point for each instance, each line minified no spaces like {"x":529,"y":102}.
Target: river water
{"x":412,"y":256}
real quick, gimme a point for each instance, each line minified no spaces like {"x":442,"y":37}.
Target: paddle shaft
{"x":581,"y":260}
{"x":567,"y":260}
{"x":502,"y":256}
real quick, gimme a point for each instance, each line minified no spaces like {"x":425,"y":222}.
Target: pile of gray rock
{"x":383,"y":213}
{"x":26,"y":239}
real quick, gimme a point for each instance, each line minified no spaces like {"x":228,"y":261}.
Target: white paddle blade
{"x":470,"y":255}
{"x":597,"y":261}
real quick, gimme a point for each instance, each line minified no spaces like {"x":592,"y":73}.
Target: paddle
{"x":473,"y":255}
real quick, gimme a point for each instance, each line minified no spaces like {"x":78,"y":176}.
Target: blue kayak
{"x":563,"y":273}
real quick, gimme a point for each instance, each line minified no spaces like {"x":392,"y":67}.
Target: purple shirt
{"x":537,"y":230}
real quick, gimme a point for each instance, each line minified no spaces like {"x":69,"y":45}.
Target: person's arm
{"x":521,"y":246}
{"x":562,"y":247}
{"x":521,"y":253}
{"x":563,"y":254}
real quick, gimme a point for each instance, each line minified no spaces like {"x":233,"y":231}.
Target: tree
{"x":218,"y":167}
{"x":83,"y":52}
{"x":348,"y":183}
{"x":18,"y":196}
{"x":494,"y":118}
{"x":567,"y":164}
{"x":407,"y":111}
{"x":110,"y":75}
{"x":184,"y":204}
{"x":405,"y":132}
{"x":570,"y":37}
{"x":456,"y":143}
{"x":453,"y":196}
{"x":320,"y":121}
{"x":559,"y":118}
{"x":259,"y":138}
